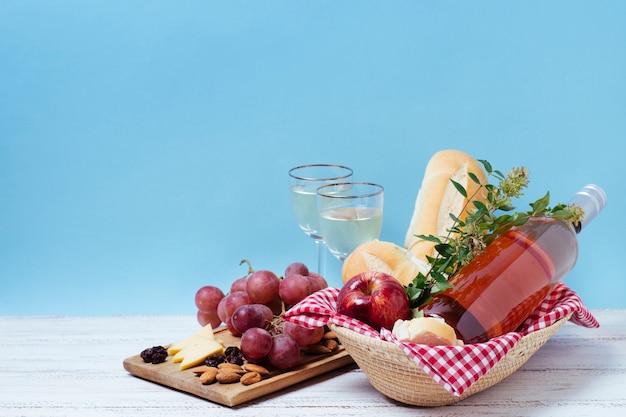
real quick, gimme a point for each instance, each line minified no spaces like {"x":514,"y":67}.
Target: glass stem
{"x":321,"y":257}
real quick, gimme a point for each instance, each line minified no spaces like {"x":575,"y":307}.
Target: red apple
{"x":375,"y":298}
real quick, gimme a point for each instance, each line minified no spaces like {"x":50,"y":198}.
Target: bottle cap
{"x":592,"y":199}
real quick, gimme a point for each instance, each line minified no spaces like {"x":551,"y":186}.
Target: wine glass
{"x":304,"y":180}
{"x":351,"y":213}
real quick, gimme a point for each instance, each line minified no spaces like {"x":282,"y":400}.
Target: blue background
{"x":144,"y":145}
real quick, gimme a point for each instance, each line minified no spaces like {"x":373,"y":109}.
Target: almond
{"x":329,"y":335}
{"x":231,"y":367}
{"x":252,"y":367}
{"x":250,"y":378}
{"x":199,"y":370}
{"x":209,"y":376}
{"x":226,"y":377}
{"x":331,"y":344}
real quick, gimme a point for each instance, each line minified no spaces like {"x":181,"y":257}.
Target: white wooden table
{"x":72,"y":366}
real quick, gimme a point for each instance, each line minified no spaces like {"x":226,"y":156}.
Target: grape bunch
{"x":252,"y":310}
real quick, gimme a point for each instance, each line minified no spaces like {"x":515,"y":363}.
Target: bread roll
{"x":438,"y":197}
{"x":382,"y":256}
{"x":426,"y":331}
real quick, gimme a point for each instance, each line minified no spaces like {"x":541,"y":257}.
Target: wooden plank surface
{"x":169,"y":375}
{"x":72,"y":366}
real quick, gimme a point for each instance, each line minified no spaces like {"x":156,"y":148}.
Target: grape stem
{"x":250,"y":270}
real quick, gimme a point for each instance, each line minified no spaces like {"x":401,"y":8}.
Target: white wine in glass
{"x":304,"y":181}
{"x":351,"y":213}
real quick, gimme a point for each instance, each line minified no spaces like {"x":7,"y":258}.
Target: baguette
{"x":438,"y":198}
{"x":381,"y":256}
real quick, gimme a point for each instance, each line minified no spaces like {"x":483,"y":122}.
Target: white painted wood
{"x":72,"y":366}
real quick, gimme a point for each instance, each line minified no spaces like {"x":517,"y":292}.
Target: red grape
{"x":304,"y":336}
{"x":295,"y":288}
{"x":206,"y":317}
{"x":208,"y":297}
{"x":320,"y":279}
{"x":221,"y":310}
{"x":248,"y":316}
{"x":285,"y":352}
{"x":296,"y":268}
{"x":256,"y":343}
{"x":314,"y":284}
{"x":262,"y":286}
{"x":231,"y":302}
{"x":276,"y":305}
{"x":231,"y":328}
{"x":239,"y":284}
{"x":267,"y":312}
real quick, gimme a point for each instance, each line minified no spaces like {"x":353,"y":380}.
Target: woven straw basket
{"x":395,"y":375}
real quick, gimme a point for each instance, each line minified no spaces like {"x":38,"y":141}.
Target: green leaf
{"x":480,"y":205}
{"x":503,"y":219}
{"x":430,"y":238}
{"x":520,"y":221}
{"x":459,"y":188}
{"x":539,"y":206}
{"x":455,"y":229}
{"x":441,"y":284}
{"x":430,"y":259}
{"x":473,"y":177}
{"x":455,"y":219}
{"x":561,"y":214}
{"x":416,"y":313}
{"x":444,"y":249}
{"x":487,"y":165}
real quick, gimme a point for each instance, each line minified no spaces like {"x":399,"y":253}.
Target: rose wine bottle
{"x":503,"y":285}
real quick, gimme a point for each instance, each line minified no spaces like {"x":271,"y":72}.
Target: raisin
{"x":215,"y":360}
{"x":155,"y":354}
{"x":234,"y":355}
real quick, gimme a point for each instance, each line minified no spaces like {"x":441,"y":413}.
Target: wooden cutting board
{"x":169,"y":374}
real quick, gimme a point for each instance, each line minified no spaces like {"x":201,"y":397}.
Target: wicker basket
{"x":395,"y":375}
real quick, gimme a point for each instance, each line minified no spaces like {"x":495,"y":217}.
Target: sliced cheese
{"x":205,"y":332}
{"x":194,"y":355}
{"x":179,"y":355}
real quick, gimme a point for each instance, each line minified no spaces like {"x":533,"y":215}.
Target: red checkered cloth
{"x":455,"y":368}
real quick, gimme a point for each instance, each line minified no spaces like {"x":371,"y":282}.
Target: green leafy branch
{"x":483,"y":223}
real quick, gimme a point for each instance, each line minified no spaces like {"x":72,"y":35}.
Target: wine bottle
{"x":503,"y":285}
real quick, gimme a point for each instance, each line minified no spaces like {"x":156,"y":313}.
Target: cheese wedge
{"x":193,"y":350}
{"x":194,"y":355}
{"x":205,"y":332}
